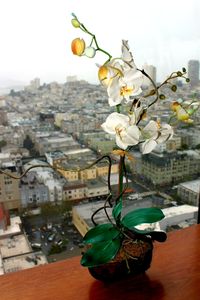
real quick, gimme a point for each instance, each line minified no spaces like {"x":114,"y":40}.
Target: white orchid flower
{"x":127,"y":56}
{"x":154,"y":134}
{"x":121,"y":77}
{"x":137,"y":112}
{"x":122,"y":87}
{"x":119,"y":125}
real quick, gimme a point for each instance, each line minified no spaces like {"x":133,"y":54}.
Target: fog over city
{"x":36,"y":36}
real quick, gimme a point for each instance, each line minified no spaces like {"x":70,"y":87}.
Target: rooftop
{"x":179,"y":210}
{"x":13,"y":228}
{"x":24,"y":261}
{"x":13,"y":246}
{"x":191,"y":185}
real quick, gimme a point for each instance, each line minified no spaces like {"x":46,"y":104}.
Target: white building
{"x":177,"y":214}
{"x":189,"y":191}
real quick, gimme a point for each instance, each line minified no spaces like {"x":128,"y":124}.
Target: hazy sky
{"x":36,"y":35}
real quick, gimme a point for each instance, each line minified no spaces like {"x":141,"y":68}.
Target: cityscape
{"x":50,"y":137}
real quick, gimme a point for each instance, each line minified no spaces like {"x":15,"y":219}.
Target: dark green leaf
{"x":142,"y":215}
{"x":117,"y":210}
{"x":101,"y":253}
{"x":187,"y":79}
{"x":159,"y":236}
{"x":100,"y":233}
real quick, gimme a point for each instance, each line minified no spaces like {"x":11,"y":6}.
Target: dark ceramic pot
{"x":138,"y":260}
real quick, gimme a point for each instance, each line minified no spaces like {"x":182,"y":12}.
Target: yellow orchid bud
{"x":75,"y":23}
{"x":103,"y":72}
{"x":175,"y":106}
{"x":103,"y":75}
{"x":78,"y":46}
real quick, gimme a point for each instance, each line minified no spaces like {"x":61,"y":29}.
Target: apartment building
{"x":32,"y":191}
{"x":166,"y":168}
{"x":189,"y":191}
{"x":74,"y":191}
{"x":9,"y":188}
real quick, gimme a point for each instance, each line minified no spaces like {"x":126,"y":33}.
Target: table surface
{"x":174,"y":274}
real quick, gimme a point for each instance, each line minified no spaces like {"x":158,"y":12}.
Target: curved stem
{"x":120,"y":180}
{"x":82,"y":27}
{"x":155,"y":87}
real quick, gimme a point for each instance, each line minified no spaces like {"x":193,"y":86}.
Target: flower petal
{"x":148,"y":146}
{"x":166,"y":133}
{"x":114,"y":92}
{"x":115,"y":120}
{"x":151,"y":130}
{"x":133,"y":135}
{"x":120,"y":143}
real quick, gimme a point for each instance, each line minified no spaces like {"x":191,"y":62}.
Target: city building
{"x":52,"y":143}
{"x":96,"y":188}
{"x":168,"y":168}
{"x":4,"y":218}
{"x":176,"y":215}
{"x":9,"y":187}
{"x":73,"y":191}
{"x":15,"y":250}
{"x":182,"y":216}
{"x":171,"y":145}
{"x":47,"y":177}
{"x":189,"y":191}
{"x":193,"y":72}
{"x":32,"y":191}
{"x":190,"y":136}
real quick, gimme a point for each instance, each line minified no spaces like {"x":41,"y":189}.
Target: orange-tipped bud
{"x":104,"y":76}
{"x":103,"y":72}
{"x":175,"y":106}
{"x":78,"y":46}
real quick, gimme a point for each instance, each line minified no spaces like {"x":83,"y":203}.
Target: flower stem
{"x":121,"y":173}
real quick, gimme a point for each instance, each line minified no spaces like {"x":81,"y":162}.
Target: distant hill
{"x":7,"y":84}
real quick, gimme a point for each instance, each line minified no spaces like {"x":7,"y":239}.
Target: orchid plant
{"x":123,"y":82}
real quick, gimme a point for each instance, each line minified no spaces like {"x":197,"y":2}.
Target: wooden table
{"x":174,"y":275}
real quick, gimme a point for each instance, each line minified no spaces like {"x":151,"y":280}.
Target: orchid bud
{"x":90,"y":52}
{"x":103,"y":73}
{"x":162,"y":97}
{"x":75,"y":23}
{"x":78,"y":46}
{"x":174,"y":88}
{"x":175,"y":106}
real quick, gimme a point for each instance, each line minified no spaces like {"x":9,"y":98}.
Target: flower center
{"x":126,"y":91}
{"x":119,"y":130}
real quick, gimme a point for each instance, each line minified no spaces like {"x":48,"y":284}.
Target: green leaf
{"x":142,"y":215}
{"x":100,"y":233}
{"x":159,"y":236}
{"x":101,"y":253}
{"x":117,"y":210}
